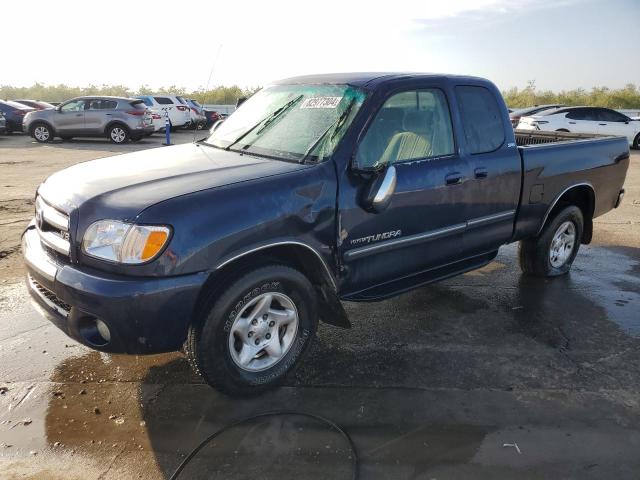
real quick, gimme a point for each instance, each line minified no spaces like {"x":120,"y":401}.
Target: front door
{"x":69,"y":118}
{"x":422,"y":228}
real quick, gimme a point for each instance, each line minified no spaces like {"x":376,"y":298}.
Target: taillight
{"x":182,"y":108}
{"x":155,"y":116}
{"x":137,"y":113}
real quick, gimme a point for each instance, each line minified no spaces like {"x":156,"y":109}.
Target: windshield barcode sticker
{"x":321,"y":102}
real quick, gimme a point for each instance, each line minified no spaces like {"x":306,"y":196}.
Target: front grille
{"x":53,"y":229}
{"x":50,"y":298}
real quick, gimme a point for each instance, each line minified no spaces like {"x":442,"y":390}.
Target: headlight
{"x":124,"y":242}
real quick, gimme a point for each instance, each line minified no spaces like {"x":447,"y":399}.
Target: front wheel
{"x":42,"y":133}
{"x":118,"y":134}
{"x":251,"y":335}
{"x":552,"y":252}
{"x":636,"y":142}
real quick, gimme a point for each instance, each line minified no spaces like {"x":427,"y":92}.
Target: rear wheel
{"x":636,"y":142}
{"x":118,"y":134}
{"x":42,"y":132}
{"x":252,"y":334}
{"x":552,"y":252}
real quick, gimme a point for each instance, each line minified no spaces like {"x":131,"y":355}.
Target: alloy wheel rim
{"x":41,"y":133}
{"x":263,"y":332}
{"x":562,"y":244}
{"x":118,"y":135}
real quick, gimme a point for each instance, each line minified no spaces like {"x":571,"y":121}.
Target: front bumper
{"x":143,"y":315}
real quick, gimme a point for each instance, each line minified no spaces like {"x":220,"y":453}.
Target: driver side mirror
{"x":379,"y":192}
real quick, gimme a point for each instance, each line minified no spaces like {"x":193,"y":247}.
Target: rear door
{"x":421,"y":228}
{"x":611,"y":122}
{"x":70,"y":118}
{"x":494,"y":184}
{"x":98,"y":114}
{"x":167,"y":106}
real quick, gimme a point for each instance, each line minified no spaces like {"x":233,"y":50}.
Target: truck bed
{"x":526,"y":138}
{"x":553,"y":162}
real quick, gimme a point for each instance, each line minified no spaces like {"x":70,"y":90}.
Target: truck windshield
{"x":293,"y":122}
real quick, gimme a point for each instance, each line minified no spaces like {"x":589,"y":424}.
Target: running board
{"x":404,"y":284}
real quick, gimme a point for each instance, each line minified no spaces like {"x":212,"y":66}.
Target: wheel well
{"x":37,"y":122}
{"x":583,"y":197}
{"x":296,"y":256}
{"x":114,"y":123}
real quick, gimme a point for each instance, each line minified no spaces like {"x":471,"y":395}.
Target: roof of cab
{"x":369,"y":79}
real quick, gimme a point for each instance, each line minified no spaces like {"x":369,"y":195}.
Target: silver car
{"x":119,"y":119}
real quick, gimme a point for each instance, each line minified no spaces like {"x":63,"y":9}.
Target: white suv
{"x":179,"y":113}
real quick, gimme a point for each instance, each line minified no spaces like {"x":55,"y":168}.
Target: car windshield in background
{"x":292,"y":122}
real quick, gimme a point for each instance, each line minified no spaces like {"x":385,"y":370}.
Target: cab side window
{"x":481,"y":119}
{"x":410,"y":125}
{"x":75,"y":106}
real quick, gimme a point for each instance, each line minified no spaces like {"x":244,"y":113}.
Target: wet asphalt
{"x":487,"y":375}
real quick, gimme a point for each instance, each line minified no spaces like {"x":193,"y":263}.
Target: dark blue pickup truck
{"x":317,"y":189}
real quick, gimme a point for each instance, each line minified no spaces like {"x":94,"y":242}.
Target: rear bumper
{"x":143,"y":315}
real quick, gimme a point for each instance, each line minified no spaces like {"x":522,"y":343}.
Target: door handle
{"x":79,"y":114}
{"x":572,"y":123}
{"x":481,"y":172}
{"x":109,"y":114}
{"x":602,"y":124}
{"x":453,"y":178}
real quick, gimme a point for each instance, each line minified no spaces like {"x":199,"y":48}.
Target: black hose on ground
{"x":277,"y":413}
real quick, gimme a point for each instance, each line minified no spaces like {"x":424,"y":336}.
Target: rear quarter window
{"x":163,"y":100}
{"x":481,"y":119}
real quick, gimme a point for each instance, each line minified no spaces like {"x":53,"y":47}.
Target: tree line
{"x":60,"y":93}
{"x":626,"y":97}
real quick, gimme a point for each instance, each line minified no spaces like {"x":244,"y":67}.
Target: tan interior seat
{"x":413,"y":142}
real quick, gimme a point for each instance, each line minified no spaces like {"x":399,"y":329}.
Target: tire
{"x":118,"y":134}
{"x":222,"y":345}
{"x":553,"y":251}
{"x":42,"y":132}
{"x":636,"y":142}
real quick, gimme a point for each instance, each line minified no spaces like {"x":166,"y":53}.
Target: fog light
{"x":103,"y":330}
{"x":94,"y":331}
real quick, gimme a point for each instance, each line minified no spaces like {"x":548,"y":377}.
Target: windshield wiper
{"x":267,"y":120}
{"x":337,"y":125}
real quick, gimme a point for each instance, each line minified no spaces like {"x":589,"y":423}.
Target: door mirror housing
{"x":379,"y":191}
{"x":215,"y":126}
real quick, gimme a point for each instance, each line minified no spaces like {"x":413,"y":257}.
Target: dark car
{"x":212,"y":117}
{"x":318,"y":189}
{"x":516,"y":115}
{"x":14,"y":114}
{"x":3,"y":123}
{"x":38,"y":105}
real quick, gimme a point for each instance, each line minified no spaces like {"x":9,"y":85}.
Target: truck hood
{"x":122,"y":186}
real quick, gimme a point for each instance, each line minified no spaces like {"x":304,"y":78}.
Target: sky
{"x":559,"y":44}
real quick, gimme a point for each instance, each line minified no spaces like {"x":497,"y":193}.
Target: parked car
{"x":211,"y":117}
{"x":594,"y":120}
{"x":319,"y":189}
{"x":198,"y":118}
{"x":118,"y":118}
{"x":179,"y":113}
{"x":516,"y":115}
{"x":14,"y":114}
{"x":37,"y":104}
{"x":3,"y":123}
